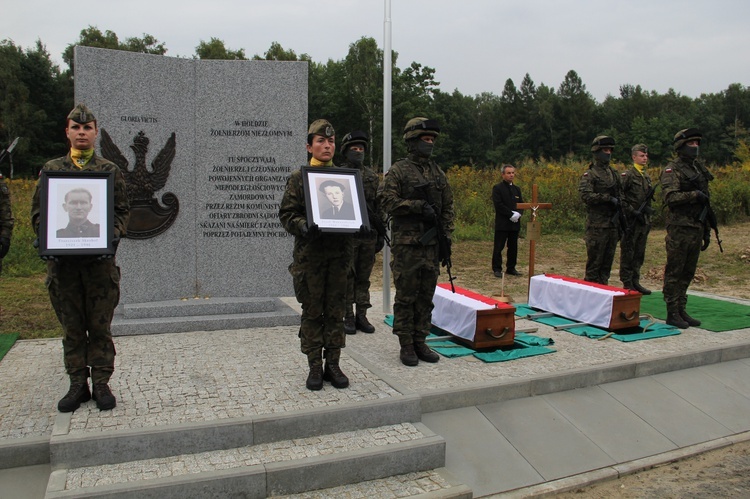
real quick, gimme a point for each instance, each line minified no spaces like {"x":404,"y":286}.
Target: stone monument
{"x":206,"y":147}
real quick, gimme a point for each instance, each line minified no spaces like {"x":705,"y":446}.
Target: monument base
{"x":210,"y":314}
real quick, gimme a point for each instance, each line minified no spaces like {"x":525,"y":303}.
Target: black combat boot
{"x":77,"y":395}
{"x":408,"y":355}
{"x":349,"y":327}
{"x":637,"y":286}
{"x":674,"y":319}
{"x":315,"y":378}
{"x":425,"y":353}
{"x":688,"y":319}
{"x":361,"y":322}
{"x":332,"y":371}
{"x":103,"y":396}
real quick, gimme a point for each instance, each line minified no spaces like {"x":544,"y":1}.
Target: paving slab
{"x":734,"y":374}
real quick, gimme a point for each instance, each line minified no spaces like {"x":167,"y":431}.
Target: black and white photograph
{"x":336,"y":200}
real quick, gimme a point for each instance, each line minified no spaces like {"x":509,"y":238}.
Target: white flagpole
{"x":387,"y":77}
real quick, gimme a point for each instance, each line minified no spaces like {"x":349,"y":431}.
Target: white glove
{"x":515,"y":217}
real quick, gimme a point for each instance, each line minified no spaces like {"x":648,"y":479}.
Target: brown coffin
{"x":626,"y":311}
{"x":495,"y":328}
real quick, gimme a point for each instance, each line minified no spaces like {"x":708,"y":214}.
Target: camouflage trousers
{"x":683,"y":249}
{"x":601,"y":244}
{"x":358,"y":283}
{"x":633,"y":253}
{"x":415,"y":274}
{"x":322,"y":293}
{"x":84,"y":293}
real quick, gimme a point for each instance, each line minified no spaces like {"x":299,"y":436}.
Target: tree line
{"x":526,"y":121}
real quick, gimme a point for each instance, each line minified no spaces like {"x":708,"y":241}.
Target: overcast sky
{"x":474,"y":45}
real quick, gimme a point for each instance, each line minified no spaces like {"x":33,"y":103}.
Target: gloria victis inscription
{"x":246,"y":185}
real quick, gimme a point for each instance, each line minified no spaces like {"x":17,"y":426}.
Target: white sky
{"x":474,"y":45}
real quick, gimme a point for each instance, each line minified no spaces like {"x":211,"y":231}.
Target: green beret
{"x":639,"y":148}
{"x":321,"y":127}
{"x":81,"y":114}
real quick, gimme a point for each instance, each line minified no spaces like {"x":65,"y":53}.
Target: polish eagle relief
{"x":148,"y":216}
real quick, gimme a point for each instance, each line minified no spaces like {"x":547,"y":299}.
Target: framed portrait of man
{"x":335,"y":199}
{"x":76,"y":213}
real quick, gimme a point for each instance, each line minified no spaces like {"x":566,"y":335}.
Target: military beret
{"x":81,"y":114}
{"x":639,"y":148}
{"x":355,"y":137}
{"x":321,"y":127}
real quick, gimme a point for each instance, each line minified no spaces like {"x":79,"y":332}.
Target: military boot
{"x":77,"y":395}
{"x":103,"y":397}
{"x":674,"y":319}
{"x":332,"y":371}
{"x":688,"y":319}
{"x":349,"y":327}
{"x":315,"y":378}
{"x":425,"y":353}
{"x":408,"y":355}
{"x":637,"y":286}
{"x":361,"y":322}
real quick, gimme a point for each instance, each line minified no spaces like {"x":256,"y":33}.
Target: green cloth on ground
{"x":524,"y":310}
{"x":6,"y":342}
{"x":633,"y":334}
{"x":715,"y":315}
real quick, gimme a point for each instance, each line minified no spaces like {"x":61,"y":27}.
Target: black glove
{"x":115,"y":244}
{"x":379,"y":244}
{"x":50,"y":258}
{"x":648,"y":211}
{"x":701,"y":197}
{"x":706,"y":238}
{"x":311,"y":232}
{"x":428,"y":212}
{"x":4,"y":246}
{"x":615,"y":202}
{"x":639,"y":216}
{"x":448,"y":252}
{"x":364,"y":232}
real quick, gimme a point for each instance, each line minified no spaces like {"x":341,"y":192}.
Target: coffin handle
{"x":497,"y":336}
{"x":629,"y":318}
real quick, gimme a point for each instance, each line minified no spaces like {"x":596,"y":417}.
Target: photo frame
{"x":335,"y":199}
{"x":76,"y":213}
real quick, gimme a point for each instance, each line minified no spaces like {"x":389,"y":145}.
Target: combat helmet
{"x":320,"y":127}
{"x":417,"y":127}
{"x":686,"y":135}
{"x":81,"y":114}
{"x":602,"y":141}
{"x":352,"y":138}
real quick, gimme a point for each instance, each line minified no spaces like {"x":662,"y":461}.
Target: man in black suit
{"x":505,"y":196}
{"x":339,"y":209}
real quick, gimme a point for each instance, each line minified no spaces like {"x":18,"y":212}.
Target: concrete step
{"x":282,"y":467}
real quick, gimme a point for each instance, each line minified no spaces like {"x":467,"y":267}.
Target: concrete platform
{"x":590,"y":411}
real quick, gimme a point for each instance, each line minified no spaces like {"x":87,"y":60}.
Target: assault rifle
{"x":620,"y":217}
{"x":444,"y":243}
{"x":707,"y":215}
{"x":379,"y":227}
{"x":640,"y":212}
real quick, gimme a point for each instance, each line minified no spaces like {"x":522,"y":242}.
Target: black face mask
{"x":689,"y":152}
{"x":602,"y":156}
{"x":424,"y":149}
{"x":355,"y":157}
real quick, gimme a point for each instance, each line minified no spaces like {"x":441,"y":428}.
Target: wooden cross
{"x":533,"y":231}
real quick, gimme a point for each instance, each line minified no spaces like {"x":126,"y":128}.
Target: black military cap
{"x":355,"y":137}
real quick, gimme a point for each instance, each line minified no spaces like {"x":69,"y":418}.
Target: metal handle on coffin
{"x":505,"y":331}
{"x":629,"y":318}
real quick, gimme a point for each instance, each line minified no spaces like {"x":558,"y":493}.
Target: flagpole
{"x":387,"y":77}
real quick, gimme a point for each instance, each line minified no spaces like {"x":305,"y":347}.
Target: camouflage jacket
{"x":680,"y":181}
{"x":598,"y":185}
{"x":6,"y":215}
{"x":370,"y":184}
{"x":399,"y":199}
{"x":635,"y":186}
{"x":293,"y":216}
{"x":95,"y":164}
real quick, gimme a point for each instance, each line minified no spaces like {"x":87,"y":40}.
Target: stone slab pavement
{"x":213,"y":376}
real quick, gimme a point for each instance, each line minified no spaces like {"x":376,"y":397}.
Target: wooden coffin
{"x":603,"y":306}
{"x":474,"y":320}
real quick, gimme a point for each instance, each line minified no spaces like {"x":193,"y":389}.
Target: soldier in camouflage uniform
{"x":319,"y":269}
{"x":684,"y":188}
{"x":636,"y":185}
{"x":6,"y":220}
{"x":415,"y":264}
{"x":84,"y":290}
{"x":600,"y":190}
{"x":353,"y":148}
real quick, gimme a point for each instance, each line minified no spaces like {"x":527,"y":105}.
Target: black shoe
{"x":333,"y":374}
{"x":425,"y":353}
{"x":103,"y":396}
{"x":676,"y":321}
{"x":77,"y":395}
{"x":349,"y":327}
{"x":408,"y":355}
{"x":689,"y":320}
{"x":315,"y":378}
{"x":498,"y":273}
{"x":513,"y":272}
{"x":637,"y":286}
{"x":361,"y":323}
